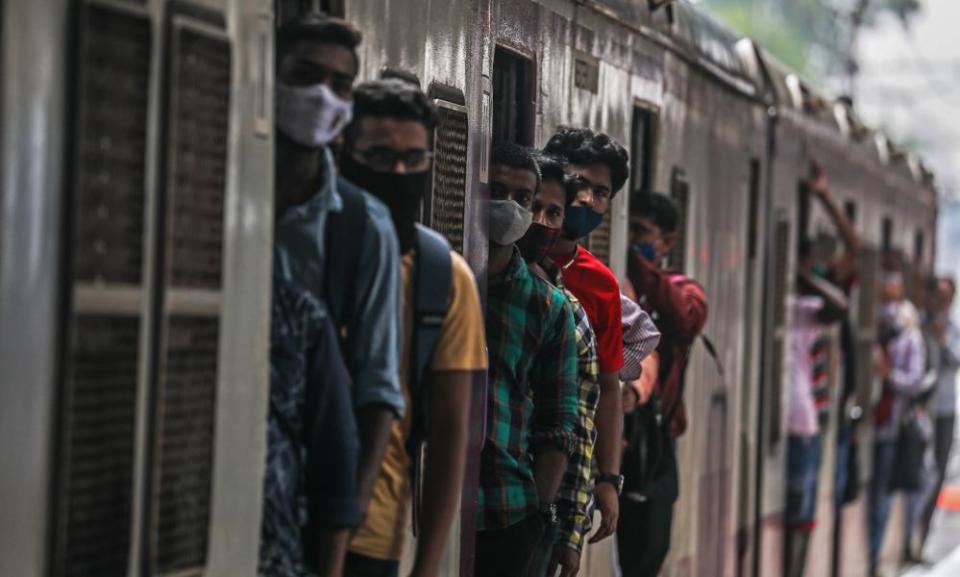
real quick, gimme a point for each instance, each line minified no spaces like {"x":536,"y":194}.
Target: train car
{"x":135,"y":254}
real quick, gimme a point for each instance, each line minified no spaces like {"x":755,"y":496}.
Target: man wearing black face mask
{"x":532,"y":384}
{"x":387,"y":152}
{"x":562,"y":546}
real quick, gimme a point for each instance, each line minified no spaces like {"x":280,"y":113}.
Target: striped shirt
{"x":532,"y":394}
{"x":576,"y":488}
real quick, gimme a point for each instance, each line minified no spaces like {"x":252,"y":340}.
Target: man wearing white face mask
{"x":533,"y":389}
{"x":333,"y":239}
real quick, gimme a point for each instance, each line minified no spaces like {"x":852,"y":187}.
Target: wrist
{"x":614,"y":480}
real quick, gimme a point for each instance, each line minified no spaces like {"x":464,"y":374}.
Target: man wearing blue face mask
{"x":600,"y":165}
{"x":333,"y":239}
{"x":533,"y":389}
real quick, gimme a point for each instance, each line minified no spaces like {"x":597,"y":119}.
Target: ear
{"x":669,"y":241}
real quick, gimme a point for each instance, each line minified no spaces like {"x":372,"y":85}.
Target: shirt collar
{"x":516,"y":270}
{"x":328,"y":198}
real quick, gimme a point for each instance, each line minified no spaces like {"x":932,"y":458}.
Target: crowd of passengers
{"x":379,"y":339}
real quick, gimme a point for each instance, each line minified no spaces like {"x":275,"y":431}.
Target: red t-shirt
{"x":597,"y":289}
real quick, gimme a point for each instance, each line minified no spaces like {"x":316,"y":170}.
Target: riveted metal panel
{"x":448,"y":197}
{"x":192,"y":226}
{"x":109,"y":148}
{"x":184,"y":458}
{"x":105,"y":195}
{"x":199,"y":115}
{"x":94,"y":496}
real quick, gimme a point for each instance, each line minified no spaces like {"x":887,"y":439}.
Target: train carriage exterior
{"x":135,"y":254}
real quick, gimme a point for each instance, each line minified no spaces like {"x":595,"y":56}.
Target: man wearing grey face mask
{"x":332,"y":239}
{"x":532,"y":391}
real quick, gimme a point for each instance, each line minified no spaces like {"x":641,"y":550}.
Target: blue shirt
{"x":374,"y":336}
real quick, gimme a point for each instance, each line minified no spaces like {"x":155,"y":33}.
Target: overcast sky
{"x":910,"y":86}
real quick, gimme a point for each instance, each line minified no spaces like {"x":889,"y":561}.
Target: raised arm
{"x":845,"y":263}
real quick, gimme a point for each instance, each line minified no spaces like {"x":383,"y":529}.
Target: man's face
{"x":891,"y":292}
{"x":594,"y":186}
{"x":946,"y":294}
{"x":644,"y":230}
{"x":548,"y":204}
{"x":392,"y":145}
{"x":311,"y":63}
{"x":516,"y":184}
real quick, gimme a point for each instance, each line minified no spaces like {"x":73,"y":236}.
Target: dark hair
{"x":658,"y":207}
{"x":554,"y":169}
{"x":391,"y":98}
{"x":319,"y":29}
{"x":804,"y":249}
{"x":513,"y":155}
{"x":582,"y":147}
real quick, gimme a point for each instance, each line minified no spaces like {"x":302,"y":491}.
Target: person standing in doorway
{"x":387,"y":151}
{"x":533,"y":390}
{"x":600,"y":165}
{"x":678,"y":306}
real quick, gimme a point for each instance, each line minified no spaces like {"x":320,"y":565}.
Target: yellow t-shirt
{"x":461,"y":347}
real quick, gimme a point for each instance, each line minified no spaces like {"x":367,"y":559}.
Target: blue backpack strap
{"x":433,"y":280}
{"x":342,"y":244}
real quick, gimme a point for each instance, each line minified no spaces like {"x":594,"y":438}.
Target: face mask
{"x":537,"y":242}
{"x":647,"y":250}
{"x":311,"y":115}
{"x":508,"y":222}
{"x":579,"y":221}
{"x":400,"y":192}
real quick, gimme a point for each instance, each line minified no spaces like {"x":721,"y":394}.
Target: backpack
{"x":432,"y":283}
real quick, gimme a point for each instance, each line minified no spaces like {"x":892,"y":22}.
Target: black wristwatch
{"x":615,"y":480}
{"x":548,"y":512}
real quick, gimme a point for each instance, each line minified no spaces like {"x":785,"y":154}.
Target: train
{"x":135,"y":255}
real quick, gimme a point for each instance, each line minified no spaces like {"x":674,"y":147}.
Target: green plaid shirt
{"x":576,"y":489}
{"x":532,"y":397}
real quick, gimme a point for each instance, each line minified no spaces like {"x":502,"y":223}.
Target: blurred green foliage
{"x":814,"y":37}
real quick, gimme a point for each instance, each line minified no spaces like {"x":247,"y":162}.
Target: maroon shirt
{"x":679,"y":306}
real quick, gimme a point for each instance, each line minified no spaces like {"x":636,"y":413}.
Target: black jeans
{"x":643,"y":533}
{"x":508,"y":552}
{"x":362,"y":566}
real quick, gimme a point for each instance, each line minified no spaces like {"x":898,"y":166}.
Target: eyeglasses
{"x":383,"y":159}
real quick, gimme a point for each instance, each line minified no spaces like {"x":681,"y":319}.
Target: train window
{"x":642,"y":144}
{"x":513,"y":98}
{"x":781,"y":288}
{"x":445,"y":207}
{"x":104,"y":219}
{"x":850,"y":207}
{"x":886,"y":235}
{"x":753,"y":212}
{"x":918,"y":247}
{"x":680,"y":191}
{"x":803,"y":210}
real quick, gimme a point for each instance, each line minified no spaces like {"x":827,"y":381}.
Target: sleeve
{"x":333,"y":445}
{"x":462,"y":345}
{"x":907,"y":377}
{"x":577,"y":486}
{"x":640,"y":338}
{"x":374,"y":330}
{"x":609,"y":328}
{"x":554,"y":380}
{"x":682,"y":305}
